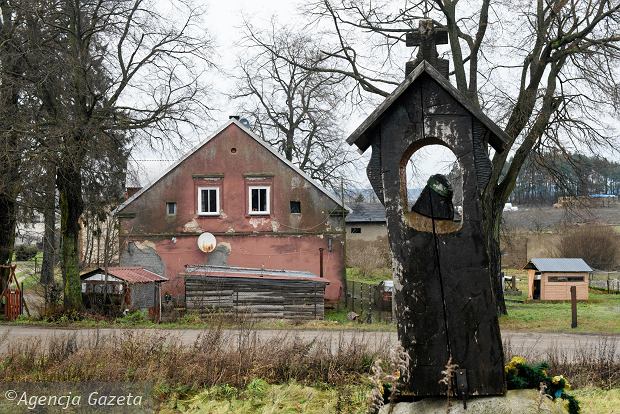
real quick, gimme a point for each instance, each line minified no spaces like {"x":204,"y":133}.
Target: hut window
{"x":259,"y":200}
{"x":356,"y":230}
{"x":171,"y":208}
{"x":566,"y":279}
{"x":208,"y":201}
{"x":295,"y":206}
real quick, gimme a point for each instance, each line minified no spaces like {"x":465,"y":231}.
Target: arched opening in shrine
{"x":432,"y":187}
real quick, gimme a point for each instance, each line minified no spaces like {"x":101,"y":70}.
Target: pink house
{"x":263,"y":211}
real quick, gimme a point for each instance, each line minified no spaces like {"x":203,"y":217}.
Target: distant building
{"x":589,"y":201}
{"x":551,"y":279}
{"x":263,"y":211}
{"x":366,"y":221}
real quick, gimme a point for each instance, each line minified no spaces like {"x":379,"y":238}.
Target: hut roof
{"x":128,"y":274}
{"x":366,"y":213}
{"x":569,"y":265}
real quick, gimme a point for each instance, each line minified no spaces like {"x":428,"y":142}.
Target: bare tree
{"x":12,"y":126}
{"x":562,"y":56}
{"x":293,"y":106}
{"x":104,"y":68}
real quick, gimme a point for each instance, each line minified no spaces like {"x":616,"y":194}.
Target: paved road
{"x":528,"y":344}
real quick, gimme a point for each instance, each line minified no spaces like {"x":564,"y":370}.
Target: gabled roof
{"x":366,"y":213}
{"x":207,"y":140}
{"x":128,"y":274}
{"x":558,"y":265}
{"x":499,"y":139}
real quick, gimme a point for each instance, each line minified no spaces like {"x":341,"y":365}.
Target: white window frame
{"x":268,"y":195}
{"x":217,"y":201}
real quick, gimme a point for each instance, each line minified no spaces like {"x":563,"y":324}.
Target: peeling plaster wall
{"x":280,"y":240}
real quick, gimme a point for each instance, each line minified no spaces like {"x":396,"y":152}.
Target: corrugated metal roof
{"x":558,"y":265}
{"x":129,"y":274}
{"x":366,"y":213}
{"x":248,"y":272}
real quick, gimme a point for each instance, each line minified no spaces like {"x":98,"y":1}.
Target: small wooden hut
{"x":123,"y":288}
{"x":254,"y":293}
{"x":551,"y":279}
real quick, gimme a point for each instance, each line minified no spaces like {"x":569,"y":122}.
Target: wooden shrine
{"x":444,"y":301}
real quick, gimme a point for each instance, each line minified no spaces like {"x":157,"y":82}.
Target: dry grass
{"x":597,"y":245}
{"x":368,"y":256}
{"x":216,"y":357}
{"x":587,"y":365}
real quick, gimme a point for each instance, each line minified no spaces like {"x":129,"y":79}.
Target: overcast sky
{"x":224,"y":21}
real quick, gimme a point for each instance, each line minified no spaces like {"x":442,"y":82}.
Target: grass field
{"x":600,"y":314}
{"x":598,"y":401}
{"x":261,"y":397}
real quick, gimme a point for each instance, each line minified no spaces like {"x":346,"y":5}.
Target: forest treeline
{"x":547,"y":176}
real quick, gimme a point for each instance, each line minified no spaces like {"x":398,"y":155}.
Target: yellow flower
{"x":517,"y":360}
{"x":557,"y":379}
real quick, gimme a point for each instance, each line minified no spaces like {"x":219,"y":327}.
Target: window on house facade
{"x":356,"y":229}
{"x":295,"y":206}
{"x":171,"y":208}
{"x":208,"y":201}
{"x":566,"y":278}
{"x":259,"y":200}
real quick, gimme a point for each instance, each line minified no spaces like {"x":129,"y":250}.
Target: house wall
{"x":256,"y":298}
{"x":561,"y":290}
{"x":143,"y":295}
{"x":232,"y":161}
{"x":370,"y":231}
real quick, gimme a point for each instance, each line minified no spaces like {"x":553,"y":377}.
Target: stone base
{"x":515,"y":402}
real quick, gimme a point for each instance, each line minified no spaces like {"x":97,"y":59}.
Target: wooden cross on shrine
{"x":427,"y":37}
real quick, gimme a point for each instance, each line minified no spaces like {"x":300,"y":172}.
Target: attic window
{"x":208,"y":201}
{"x":295,"y":207}
{"x":171,"y":208}
{"x":259,"y":200}
{"x":356,"y":230}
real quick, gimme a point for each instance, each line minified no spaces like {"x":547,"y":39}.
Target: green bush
{"x":136,"y":317}
{"x":25,"y":252}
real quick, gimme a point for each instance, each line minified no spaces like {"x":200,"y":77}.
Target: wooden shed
{"x":123,"y":288}
{"x":551,"y":279}
{"x":254,"y":293}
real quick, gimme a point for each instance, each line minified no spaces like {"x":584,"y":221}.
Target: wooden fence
{"x":260,"y":298}
{"x":371,"y":302}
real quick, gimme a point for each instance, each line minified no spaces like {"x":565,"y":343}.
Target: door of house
{"x":536,"y":293}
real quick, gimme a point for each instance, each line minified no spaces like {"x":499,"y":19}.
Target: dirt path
{"x":528,"y":344}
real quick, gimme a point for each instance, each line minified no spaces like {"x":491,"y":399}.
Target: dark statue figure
{"x":435,"y":201}
{"x":444,"y":303}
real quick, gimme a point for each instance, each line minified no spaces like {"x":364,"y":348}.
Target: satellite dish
{"x":206,"y":242}
{"x":245,"y":122}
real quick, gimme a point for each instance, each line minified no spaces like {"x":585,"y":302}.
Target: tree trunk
{"x":49,"y":234}
{"x":492,"y":228}
{"x":69,"y":182}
